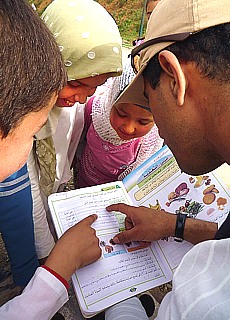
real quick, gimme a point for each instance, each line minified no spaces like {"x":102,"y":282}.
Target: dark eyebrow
{"x":87,"y":85}
{"x":83,"y":84}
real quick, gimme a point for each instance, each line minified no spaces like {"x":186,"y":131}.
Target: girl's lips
{"x":125,"y":136}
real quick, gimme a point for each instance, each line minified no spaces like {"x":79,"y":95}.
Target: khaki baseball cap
{"x":172,"y":17}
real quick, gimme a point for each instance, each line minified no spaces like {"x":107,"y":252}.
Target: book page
{"x":68,"y":208}
{"x":123,"y":270}
{"x":159,"y":184}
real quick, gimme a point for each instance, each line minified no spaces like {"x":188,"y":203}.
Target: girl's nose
{"x":129,"y":128}
{"x":81,"y":97}
{"x":84,"y":94}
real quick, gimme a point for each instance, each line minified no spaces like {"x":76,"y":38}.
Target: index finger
{"x":90,"y":219}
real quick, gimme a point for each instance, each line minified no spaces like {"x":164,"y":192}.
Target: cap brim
{"x":134,"y":92}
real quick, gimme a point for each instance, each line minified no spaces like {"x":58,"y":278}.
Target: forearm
{"x":196,"y":230}
{"x":60,"y":266}
{"x":41,"y":299}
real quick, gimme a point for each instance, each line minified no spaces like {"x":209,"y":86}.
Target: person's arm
{"x":144,"y":224}
{"x":41,"y":299}
{"x":47,"y":292}
{"x":196,"y":230}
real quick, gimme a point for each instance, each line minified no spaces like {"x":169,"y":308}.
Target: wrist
{"x":64,"y":267}
{"x":57,"y":275}
{"x":180,"y":226}
{"x":170,"y":223}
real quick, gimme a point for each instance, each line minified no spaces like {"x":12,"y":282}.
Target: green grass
{"x":128,"y":15}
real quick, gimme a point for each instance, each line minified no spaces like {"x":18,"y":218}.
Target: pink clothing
{"x":102,"y":156}
{"x":102,"y":161}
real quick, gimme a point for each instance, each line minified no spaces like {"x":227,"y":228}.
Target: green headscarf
{"x":91,"y":45}
{"x":88,"y":37}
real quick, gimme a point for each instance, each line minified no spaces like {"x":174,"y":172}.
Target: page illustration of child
{"x":116,"y":138}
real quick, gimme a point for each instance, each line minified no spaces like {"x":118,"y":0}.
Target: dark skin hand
{"x":144,"y":224}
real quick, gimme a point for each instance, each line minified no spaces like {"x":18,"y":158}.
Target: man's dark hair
{"x":208,"y":49}
{"x":31,"y":67}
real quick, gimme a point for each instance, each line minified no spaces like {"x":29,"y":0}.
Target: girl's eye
{"x":144,"y":123}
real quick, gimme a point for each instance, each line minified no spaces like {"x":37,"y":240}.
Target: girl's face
{"x":130,"y":121}
{"x":80,"y":90}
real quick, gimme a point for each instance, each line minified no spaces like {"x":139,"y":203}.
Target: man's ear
{"x":172,"y":68}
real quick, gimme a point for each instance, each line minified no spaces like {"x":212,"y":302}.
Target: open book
{"x":127,"y":270}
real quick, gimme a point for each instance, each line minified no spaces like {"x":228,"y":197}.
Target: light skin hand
{"x":77,"y":247}
{"x":144,"y":224}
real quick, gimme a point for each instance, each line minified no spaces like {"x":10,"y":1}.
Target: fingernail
{"x":116,"y":240}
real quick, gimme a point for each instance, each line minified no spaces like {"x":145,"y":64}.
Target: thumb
{"x":124,"y":237}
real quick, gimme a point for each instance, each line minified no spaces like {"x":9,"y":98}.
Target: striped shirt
{"x":201,"y":284}
{"x":16,"y":225}
{"x":15,"y":183}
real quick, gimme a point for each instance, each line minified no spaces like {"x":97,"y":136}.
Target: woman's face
{"x":79,"y":90}
{"x":130,"y":121}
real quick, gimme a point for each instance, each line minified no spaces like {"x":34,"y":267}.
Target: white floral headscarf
{"x":101,"y":109}
{"x":102,"y":105}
